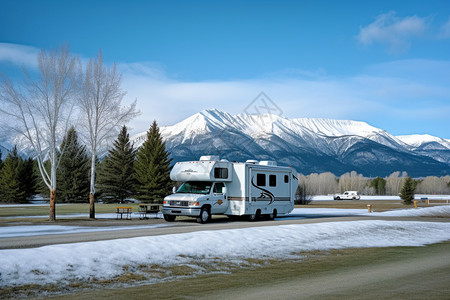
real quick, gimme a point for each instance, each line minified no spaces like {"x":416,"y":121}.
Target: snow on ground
{"x":66,"y":263}
{"x":34,"y":230}
{"x":435,"y":211}
{"x":303,"y":213}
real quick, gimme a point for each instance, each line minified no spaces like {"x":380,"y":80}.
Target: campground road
{"x":171,"y":228}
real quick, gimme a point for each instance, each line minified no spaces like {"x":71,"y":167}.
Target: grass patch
{"x":377,"y":205}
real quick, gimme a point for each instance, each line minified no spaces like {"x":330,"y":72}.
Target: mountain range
{"x":309,"y":145}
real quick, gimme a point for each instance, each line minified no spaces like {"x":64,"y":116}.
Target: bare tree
{"x":39,"y":110}
{"x":321,"y":184}
{"x":101,"y":111}
{"x":394,"y":182}
{"x":353,"y":182}
{"x":434,"y":185}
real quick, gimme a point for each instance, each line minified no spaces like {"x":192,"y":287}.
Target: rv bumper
{"x":177,"y":211}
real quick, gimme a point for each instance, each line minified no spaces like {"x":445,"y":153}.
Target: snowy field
{"x":381,"y":198}
{"x":67,"y":263}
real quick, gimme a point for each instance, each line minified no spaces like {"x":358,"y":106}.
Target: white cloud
{"x":444,"y":32}
{"x":396,"y":32}
{"x":399,"y":92}
{"x":395,"y":91}
{"x":19,"y":54}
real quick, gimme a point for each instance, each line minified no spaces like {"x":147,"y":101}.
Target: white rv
{"x":212,"y":186}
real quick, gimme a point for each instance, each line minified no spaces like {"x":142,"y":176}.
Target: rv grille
{"x":178,"y":203}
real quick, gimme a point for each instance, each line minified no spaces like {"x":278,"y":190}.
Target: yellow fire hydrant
{"x":415,"y":203}
{"x":369,"y":208}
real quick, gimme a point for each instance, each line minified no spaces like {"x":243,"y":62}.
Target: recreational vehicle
{"x":211,"y":186}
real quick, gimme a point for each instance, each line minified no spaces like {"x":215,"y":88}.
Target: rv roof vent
{"x":268,"y":163}
{"x":252,"y":161}
{"x":209,"y":157}
{"x":224,"y":160}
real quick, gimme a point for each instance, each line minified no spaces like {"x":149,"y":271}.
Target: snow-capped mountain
{"x":309,"y":145}
{"x":428,"y":145}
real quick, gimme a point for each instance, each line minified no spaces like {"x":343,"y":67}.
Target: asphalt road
{"x":171,"y":228}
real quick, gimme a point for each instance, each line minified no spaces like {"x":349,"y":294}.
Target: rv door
{"x":249,"y":186}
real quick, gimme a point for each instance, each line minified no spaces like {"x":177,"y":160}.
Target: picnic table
{"x":123,"y":212}
{"x":145,"y":209}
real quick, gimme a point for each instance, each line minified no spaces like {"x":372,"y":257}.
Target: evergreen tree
{"x":379,"y":184}
{"x":10,"y":185}
{"x":116,"y":172}
{"x":28,"y":178}
{"x":73,"y":172}
{"x":152,"y":168}
{"x":407,"y":193}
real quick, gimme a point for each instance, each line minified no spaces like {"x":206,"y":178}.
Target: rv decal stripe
{"x":265,"y":193}
{"x":276,"y":199}
{"x":237,"y":198}
{"x":259,"y":199}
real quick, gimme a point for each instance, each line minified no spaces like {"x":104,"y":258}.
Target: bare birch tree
{"x":102,"y":113}
{"x":394,"y":182}
{"x":39,"y":110}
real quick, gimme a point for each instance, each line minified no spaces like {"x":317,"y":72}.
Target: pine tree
{"x":152,"y":168}
{"x":28,"y":178}
{"x":379,"y":184}
{"x":73,"y":172}
{"x":116,"y":172}
{"x":10,"y":186}
{"x":407,"y":193}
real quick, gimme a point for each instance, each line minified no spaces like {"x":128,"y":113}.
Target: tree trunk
{"x":91,"y":206}
{"x":52,"y":216}
{"x":92,"y":188}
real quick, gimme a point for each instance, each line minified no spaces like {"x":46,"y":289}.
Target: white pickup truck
{"x":348,"y":195}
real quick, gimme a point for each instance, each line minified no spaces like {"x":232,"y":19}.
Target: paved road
{"x":172,"y":228}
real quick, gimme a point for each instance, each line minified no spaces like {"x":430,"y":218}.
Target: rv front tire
{"x":169,"y":218}
{"x":205,"y":215}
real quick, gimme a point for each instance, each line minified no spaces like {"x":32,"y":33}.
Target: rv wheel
{"x":255,"y":216}
{"x":273,"y":215}
{"x":169,"y":218}
{"x":205,"y":215}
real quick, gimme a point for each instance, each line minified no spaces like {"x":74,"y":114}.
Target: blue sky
{"x":383,"y":62}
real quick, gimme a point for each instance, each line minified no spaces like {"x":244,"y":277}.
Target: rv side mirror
{"x":224,"y":190}
{"x":174,"y":190}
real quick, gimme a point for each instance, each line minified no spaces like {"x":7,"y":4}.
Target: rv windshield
{"x":195,"y":187}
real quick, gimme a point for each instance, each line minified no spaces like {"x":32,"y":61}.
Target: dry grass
{"x":378,"y":205}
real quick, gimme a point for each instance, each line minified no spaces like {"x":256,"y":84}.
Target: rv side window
{"x":218,"y":188}
{"x":272,"y":180}
{"x":261,"y":179}
{"x":221,"y":173}
{"x":286,"y":178}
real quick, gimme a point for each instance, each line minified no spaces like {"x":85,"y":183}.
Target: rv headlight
{"x":194,"y":203}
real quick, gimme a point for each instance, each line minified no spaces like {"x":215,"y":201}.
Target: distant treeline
{"x":327,"y":183}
